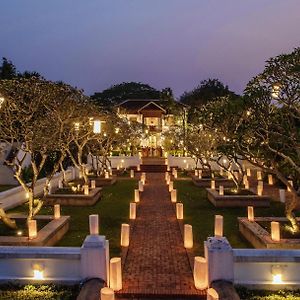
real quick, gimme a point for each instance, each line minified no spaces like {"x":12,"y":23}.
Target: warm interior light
{"x":97,"y":126}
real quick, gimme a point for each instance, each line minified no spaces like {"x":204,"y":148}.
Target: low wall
{"x":16,"y":196}
{"x":121,"y":161}
{"x":253,"y":268}
{"x":58,"y":264}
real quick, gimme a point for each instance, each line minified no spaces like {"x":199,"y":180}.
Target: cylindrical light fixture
{"x":275,"y":231}
{"x":212,"y":294}
{"x":56,"y":211}
{"x":259,"y":175}
{"x":170,"y":186}
{"x":94,"y":224}
{"x":270,"y":179}
{"x":179,"y":211}
{"x":136,"y":196}
{"x":132,"y":211}
{"x":125,"y":232}
{"x":221,"y":190}
{"x":115,"y":274}
{"x":86,"y":190}
{"x":213,"y":184}
{"x":218,"y":226}
{"x":141,"y":186}
{"x":93,"y":184}
{"x":32,"y":229}
{"x":200,"y":273}
{"x":131,"y":173}
{"x":250,"y":213}
{"x":107,"y":294}
{"x":174,"y":196}
{"x":188,"y":236}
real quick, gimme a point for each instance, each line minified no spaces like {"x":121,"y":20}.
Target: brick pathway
{"x":157,"y":263}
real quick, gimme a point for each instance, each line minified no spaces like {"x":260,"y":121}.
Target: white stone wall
{"x":255,"y":267}
{"x":59,"y":264}
{"x":16,"y":196}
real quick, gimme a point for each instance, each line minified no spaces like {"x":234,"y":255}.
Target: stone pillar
{"x":219,"y":256}
{"x":93,"y":257}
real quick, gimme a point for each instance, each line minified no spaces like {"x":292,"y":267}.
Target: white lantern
{"x":188,"y":236}
{"x":218,"y":226}
{"x":132,"y":211}
{"x":86,"y":190}
{"x":136,"y":196}
{"x":179,"y":211}
{"x":259,"y":175}
{"x":93,"y":184}
{"x":115,"y":274}
{"x":213,"y":185}
{"x":248,"y":172}
{"x":32,"y":229}
{"x":270,"y":179}
{"x":282,"y":195}
{"x":221,"y":190}
{"x":94,"y":224}
{"x":275,"y":231}
{"x":250,"y":213}
{"x":107,"y":294}
{"x":56,"y":211}
{"x":170,"y":186}
{"x":131,"y":173}
{"x":125,"y":231}
{"x":200,"y":273}
{"x":174,"y":196}
{"x":141,"y":186}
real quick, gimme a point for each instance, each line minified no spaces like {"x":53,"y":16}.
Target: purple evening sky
{"x":93,"y":44}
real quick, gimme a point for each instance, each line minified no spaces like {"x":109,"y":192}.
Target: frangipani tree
{"x":270,"y":135}
{"x":32,"y":120}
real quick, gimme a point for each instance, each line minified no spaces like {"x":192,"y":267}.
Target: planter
{"x":205,"y":182}
{"x":49,"y":235}
{"x":261,"y":238}
{"x":237,"y":200}
{"x":100,"y":181}
{"x":74,"y":199}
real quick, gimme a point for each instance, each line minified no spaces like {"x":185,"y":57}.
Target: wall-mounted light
{"x":38,"y":271}
{"x":276,"y":274}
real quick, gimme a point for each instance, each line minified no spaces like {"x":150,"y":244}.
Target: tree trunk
{"x":290,"y":206}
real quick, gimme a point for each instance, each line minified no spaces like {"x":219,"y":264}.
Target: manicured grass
{"x":199,"y":213}
{"x":113,"y":210}
{"x":6,"y":187}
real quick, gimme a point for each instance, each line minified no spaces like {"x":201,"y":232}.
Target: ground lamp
{"x":200,"y":273}
{"x":94,"y":224}
{"x":250,"y":213}
{"x":38,"y":271}
{"x":56,"y":211}
{"x":115,"y":272}
{"x":212,"y":294}
{"x":107,"y":294}
{"x":221,"y":190}
{"x":32,"y":229}
{"x":188,"y":236}
{"x":218,"y":226}
{"x":275,"y":231}
{"x":125,"y":231}
{"x":132,"y":211}
{"x":179,"y":211}
{"x":174,"y":196}
{"x":136,"y":195}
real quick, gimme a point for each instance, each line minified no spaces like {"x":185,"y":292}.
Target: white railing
{"x":55,"y":264}
{"x":119,"y":161}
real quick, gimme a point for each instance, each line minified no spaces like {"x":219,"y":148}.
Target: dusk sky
{"x":93,"y":44}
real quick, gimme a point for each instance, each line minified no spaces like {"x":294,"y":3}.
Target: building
{"x":157,"y":116}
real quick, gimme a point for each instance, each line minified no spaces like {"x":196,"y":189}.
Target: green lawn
{"x":199,"y":213}
{"x":113,"y":210}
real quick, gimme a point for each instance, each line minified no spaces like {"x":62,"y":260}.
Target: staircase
{"x":153,"y":165}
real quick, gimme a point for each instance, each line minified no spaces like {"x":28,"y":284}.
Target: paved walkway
{"x":157,"y":263}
